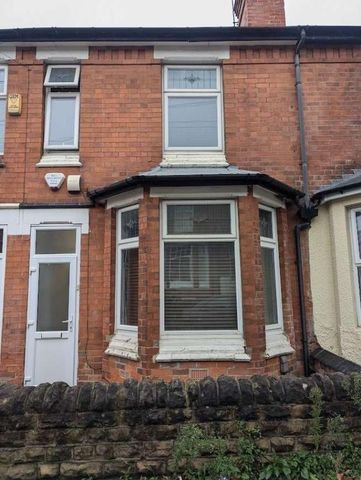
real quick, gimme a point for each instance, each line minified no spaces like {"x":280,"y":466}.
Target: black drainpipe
{"x":307,"y":211}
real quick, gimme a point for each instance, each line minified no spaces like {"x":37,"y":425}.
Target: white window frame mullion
{"x":3,"y":97}
{"x":2,"y":280}
{"x":49,"y":97}
{"x":126,"y":244}
{"x":272,"y":244}
{"x":356,"y":261}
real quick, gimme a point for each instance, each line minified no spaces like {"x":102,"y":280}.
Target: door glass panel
{"x":192,"y":78}
{"x":53,"y":297}
{"x":55,"y":241}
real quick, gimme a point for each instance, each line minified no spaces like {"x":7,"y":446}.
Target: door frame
{"x":37,"y":257}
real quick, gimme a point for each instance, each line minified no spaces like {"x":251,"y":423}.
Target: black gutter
{"x":301,"y":291}
{"x":318,"y":196}
{"x":316,"y":35}
{"x":55,"y":205}
{"x":259,"y":179}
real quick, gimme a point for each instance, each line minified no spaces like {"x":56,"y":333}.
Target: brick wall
{"x":102,"y":431}
{"x":260,"y":13}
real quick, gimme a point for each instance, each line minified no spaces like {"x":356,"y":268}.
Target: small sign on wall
{"x":14,"y":104}
{"x":54,"y":180}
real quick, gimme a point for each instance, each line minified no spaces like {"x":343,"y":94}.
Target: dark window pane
{"x":62,"y":75}
{"x":1,"y":240}
{"x":265,"y":223}
{"x":53,"y":297}
{"x":199,"y":219}
{"x":2,"y":123}
{"x":192,"y":122}
{"x":200,"y":286}
{"x":269,"y":286}
{"x":55,"y":241}
{"x":358,"y":227}
{"x":129,"y":287}
{"x":129,"y":222}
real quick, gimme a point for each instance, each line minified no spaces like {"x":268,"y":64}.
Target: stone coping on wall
{"x":97,"y":430}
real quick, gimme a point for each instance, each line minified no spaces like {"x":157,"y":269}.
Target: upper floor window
{"x":193,"y":108}
{"x":3,"y":92}
{"x":201,"y":266}
{"x":62,"y":107}
{"x":271,"y":268}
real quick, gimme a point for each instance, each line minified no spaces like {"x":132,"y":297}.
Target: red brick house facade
{"x":168,"y":251}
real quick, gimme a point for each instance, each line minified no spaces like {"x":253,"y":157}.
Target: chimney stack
{"x":260,"y":13}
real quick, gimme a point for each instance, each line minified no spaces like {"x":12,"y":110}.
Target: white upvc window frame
{"x":2,"y":279}
{"x":173,"y":92}
{"x":272,"y":244}
{"x":232,"y":237}
{"x":49,"y":96}
{"x":74,"y":83}
{"x":3,"y":97}
{"x":122,"y":244}
{"x":356,"y":260}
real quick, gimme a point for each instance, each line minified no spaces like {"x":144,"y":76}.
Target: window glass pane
{"x":2,"y":80}
{"x":269,"y":286}
{"x":55,"y":241}
{"x":192,"y":122}
{"x":1,"y":240}
{"x":129,"y":222}
{"x":62,"y":75}
{"x":129,"y":287}
{"x":200,"y":286}
{"x":198,"y":219}
{"x":265,"y":223}
{"x":62,"y":121}
{"x":2,"y":123}
{"x":192,"y":78}
{"x":53,"y":297}
{"x":358,"y":227}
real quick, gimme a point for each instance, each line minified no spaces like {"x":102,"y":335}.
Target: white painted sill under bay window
{"x":196,"y":346}
{"x":124,"y":344}
{"x":277,"y":343}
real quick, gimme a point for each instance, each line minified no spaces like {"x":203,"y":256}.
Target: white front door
{"x":52,"y":306}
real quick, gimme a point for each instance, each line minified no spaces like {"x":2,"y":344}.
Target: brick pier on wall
{"x":106,"y":430}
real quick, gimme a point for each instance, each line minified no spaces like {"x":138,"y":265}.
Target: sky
{"x":162,"y":13}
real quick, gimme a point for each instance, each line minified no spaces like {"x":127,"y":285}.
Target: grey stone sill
{"x":277,"y":344}
{"x":60,"y":159}
{"x":124,"y":344}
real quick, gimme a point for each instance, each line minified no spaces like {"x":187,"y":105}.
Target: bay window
{"x":127,"y":268}
{"x":356,"y":241}
{"x":3,"y":92}
{"x":193,"y":108}
{"x":200,"y":277}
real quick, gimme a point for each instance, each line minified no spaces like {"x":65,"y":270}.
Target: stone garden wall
{"x":99,"y":430}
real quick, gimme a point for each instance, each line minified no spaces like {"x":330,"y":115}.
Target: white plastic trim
{"x":7,"y":53}
{"x":19,"y":221}
{"x":268,"y":198}
{"x":277,"y":344}
{"x":192,"y":53}
{"x":124,"y":344}
{"x":59,"y":159}
{"x":63,"y":53}
{"x":125,"y":199}
{"x":213,"y":192}
{"x":205,"y":346}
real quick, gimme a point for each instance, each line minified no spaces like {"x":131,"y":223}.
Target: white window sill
{"x":277,"y":344}
{"x":202,"y":347}
{"x":194,"y":159}
{"x":124,"y":344}
{"x":60,"y":159}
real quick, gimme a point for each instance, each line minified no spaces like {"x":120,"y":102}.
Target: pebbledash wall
{"x":121,"y":135}
{"x":100,"y":431}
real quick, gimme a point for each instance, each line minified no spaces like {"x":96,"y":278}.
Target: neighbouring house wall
{"x":332,"y":279}
{"x":100,"y":431}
